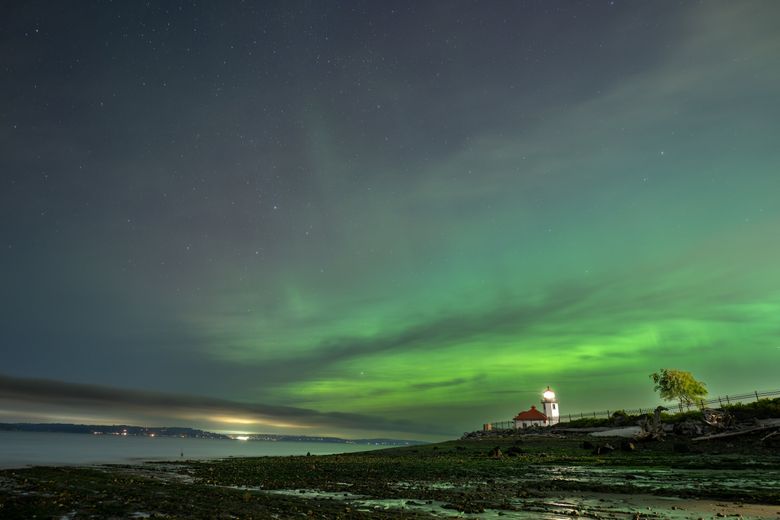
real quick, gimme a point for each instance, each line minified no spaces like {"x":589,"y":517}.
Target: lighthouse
{"x":551,"y":410}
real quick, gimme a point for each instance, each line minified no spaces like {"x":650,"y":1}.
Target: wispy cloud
{"x":20,"y":392}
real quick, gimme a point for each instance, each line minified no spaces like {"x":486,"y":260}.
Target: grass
{"x":761,"y":409}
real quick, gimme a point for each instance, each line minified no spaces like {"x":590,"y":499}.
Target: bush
{"x":619,"y":418}
{"x":586,"y":422}
{"x":675,"y":418}
{"x":761,"y":409}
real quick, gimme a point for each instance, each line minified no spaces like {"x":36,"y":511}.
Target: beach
{"x":532,"y":477}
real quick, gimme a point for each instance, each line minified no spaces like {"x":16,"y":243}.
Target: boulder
{"x":689,"y":428}
{"x":514,"y":451}
{"x":604,"y":450}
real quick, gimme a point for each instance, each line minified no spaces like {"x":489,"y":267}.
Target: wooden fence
{"x":720,"y":401}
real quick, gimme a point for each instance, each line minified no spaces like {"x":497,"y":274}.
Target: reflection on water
{"x":603,"y":506}
{"x":658,"y":485}
{"x":668,"y":478}
{"x":19,"y":449}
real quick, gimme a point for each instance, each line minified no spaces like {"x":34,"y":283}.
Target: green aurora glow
{"x":558,"y":230}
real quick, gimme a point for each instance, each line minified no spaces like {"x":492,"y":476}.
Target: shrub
{"x":674,"y":418}
{"x":586,"y":422}
{"x":761,"y":409}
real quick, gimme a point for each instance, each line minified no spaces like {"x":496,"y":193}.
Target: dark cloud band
{"x":95,"y":398}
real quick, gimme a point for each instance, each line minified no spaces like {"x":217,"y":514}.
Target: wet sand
{"x":544,"y":477}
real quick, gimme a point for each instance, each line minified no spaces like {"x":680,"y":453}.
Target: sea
{"x":20,"y":449}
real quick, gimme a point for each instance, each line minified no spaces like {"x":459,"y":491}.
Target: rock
{"x":689,"y":428}
{"x":626,"y":445}
{"x":604,"y":450}
{"x":587,"y":445}
{"x":514,"y":451}
{"x":495,"y":453}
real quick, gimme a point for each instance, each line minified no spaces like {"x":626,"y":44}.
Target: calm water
{"x":18,"y":449}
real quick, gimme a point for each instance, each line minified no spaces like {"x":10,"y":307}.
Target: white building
{"x":528,"y":418}
{"x":550,"y":407}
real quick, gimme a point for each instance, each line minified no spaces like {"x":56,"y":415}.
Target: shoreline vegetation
{"x":513,"y":477}
{"x":540,"y":474}
{"x":536,"y":473}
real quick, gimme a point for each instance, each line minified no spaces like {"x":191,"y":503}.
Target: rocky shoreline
{"x":531,"y":476}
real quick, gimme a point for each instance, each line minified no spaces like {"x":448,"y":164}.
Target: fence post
{"x":700,"y":403}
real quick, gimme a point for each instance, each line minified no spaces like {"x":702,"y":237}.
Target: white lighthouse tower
{"x":551,"y":410}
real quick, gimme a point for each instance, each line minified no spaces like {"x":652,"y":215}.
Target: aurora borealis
{"x":404,"y":218}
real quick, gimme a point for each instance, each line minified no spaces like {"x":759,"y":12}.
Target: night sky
{"x":392,"y":218}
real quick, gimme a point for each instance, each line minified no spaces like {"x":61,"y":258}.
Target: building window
{"x":553,"y":406}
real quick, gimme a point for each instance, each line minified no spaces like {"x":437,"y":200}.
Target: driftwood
{"x":651,"y":429}
{"x":736,"y":433}
{"x":719,"y":419}
{"x":765,"y":437}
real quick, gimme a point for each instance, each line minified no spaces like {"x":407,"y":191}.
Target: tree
{"x":674,"y":384}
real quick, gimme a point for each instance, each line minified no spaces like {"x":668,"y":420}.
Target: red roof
{"x":531,"y":415}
